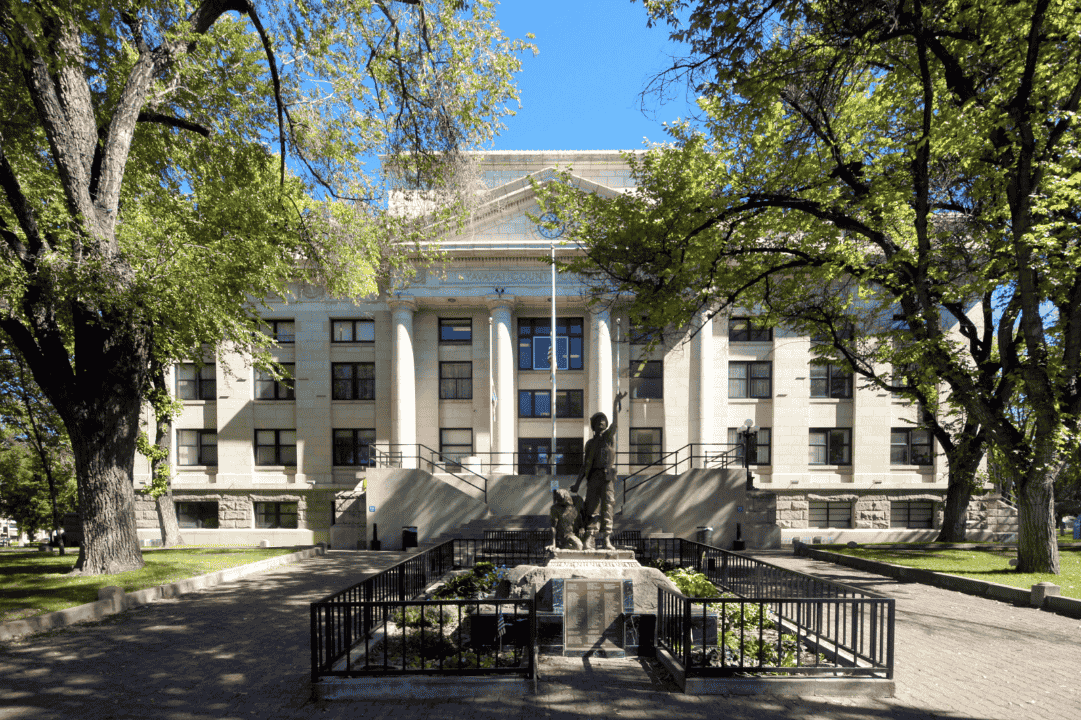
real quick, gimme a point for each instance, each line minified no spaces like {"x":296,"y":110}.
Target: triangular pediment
{"x":503,"y":219}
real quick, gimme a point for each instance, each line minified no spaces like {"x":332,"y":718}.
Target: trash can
{"x":704,"y":535}
{"x":409,"y":536}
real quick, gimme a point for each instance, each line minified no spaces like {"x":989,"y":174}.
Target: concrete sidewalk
{"x":241,"y":651}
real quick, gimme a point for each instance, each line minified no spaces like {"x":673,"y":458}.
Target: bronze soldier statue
{"x":598,"y":466}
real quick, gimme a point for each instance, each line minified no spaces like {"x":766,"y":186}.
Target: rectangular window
{"x":830,"y":446}
{"x":535,"y":339}
{"x":282,"y":331}
{"x":830,"y":381}
{"x":912,"y":514}
{"x":826,"y":335}
{"x":197,"y":515}
{"x":647,"y":380}
{"x":455,"y":444}
{"x":267,"y":388}
{"x":353,"y":381}
{"x":196,"y":447}
{"x":828,"y":514}
{"x":352,"y":331}
{"x":760,"y":453}
{"x":638,"y":335}
{"x":276,"y":515}
{"x":750,"y":379}
{"x":455,"y":331}
{"x":195,"y":383}
{"x":534,"y":456}
{"x":744,"y":329}
{"x":354,"y":447}
{"x":901,"y":375}
{"x":910,"y":446}
{"x":646,"y":445}
{"x":538,"y":403}
{"x":455,"y":381}
{"x":275,"y":447}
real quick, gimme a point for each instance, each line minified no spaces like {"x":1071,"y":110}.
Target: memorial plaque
{"x":593,"y":615}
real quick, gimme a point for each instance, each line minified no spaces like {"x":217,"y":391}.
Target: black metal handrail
{"x":671,"y":462}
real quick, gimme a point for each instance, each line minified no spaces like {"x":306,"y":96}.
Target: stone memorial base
{"x":591,"y":601}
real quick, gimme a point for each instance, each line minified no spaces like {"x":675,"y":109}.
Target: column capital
{"x":399,"y":302}
{"x":501,"y":300}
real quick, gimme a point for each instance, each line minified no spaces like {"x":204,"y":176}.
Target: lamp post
{"x":748,"y":435}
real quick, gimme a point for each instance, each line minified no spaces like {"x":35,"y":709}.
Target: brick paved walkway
{"x":241,"y":651}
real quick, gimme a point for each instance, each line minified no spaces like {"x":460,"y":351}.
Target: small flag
{"x":501,"y":625}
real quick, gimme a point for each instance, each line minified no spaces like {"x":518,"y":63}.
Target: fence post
{"x":315,"y":643}
{"x":686,"y":637}
{"x":401,"y":582}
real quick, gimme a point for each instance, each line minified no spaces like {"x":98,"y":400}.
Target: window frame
{"x":449,"y":323}
{"x":355,"y":322}
{"x":279,"y":448}
{"x":646,"y":379}
{"x":182,"y":506}
{"x":281,"y":389}
{"x":655,"y":448}
{"x":733,"y":438}
{"x":355,"y":446}
{"x":907,"y":520}
{"x":567,"y":403}
{"x":749,"y":378}
{"x":749,"y":333}
{"x":839,"y":381}
{"x":575,"y":340}
{"x":445,"y":447}
{"x":275,"y":332}
{"x":201,"y":447}
{"x":276,"y":523}
{"x":909,"y":446}
{"x":206,"y":388}
{"x":462,"y":386}
{"x":354,"y":381}
{"x":833,"y":508}
{"x":830,"y":446}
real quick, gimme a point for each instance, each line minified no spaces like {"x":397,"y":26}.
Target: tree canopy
{"x":164,"y":164}
{"x":906,"y":169}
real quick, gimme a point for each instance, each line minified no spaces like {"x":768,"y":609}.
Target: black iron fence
{"x":770,"y":620}
{"x":418,"y":637}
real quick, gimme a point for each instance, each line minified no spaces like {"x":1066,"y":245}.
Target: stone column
{"x":701,"y":388}
{"x":403,"y":380}
{"x":503,"y":364}
{"x":600,"y":364}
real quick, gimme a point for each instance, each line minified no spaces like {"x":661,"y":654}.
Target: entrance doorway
{"x":534,"y":456}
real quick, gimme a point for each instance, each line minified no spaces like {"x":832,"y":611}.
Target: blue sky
{"x":581,"y":91}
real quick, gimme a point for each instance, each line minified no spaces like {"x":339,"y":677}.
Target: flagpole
{"x":554,"y":361}
{"x":491,"y":395}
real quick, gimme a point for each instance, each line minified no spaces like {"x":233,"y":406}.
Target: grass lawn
{"x":990,"y":565}
{"x":32,"y":583}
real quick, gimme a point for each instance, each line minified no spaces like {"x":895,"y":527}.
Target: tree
{"x":902,"y":168}
{"x":144,"y":205}
{"x":41,"y":484}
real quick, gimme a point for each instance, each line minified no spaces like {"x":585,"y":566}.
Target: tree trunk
{"x":1037,"y":543}
{"x":104,"y":447}
{"x":170,"y":529}
{"x":955,"y":514}
{"x":963,"y":462}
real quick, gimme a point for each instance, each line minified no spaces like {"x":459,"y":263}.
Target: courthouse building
{"x":449,"y":379}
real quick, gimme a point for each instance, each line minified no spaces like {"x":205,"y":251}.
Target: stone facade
{"x":430,"y":388}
